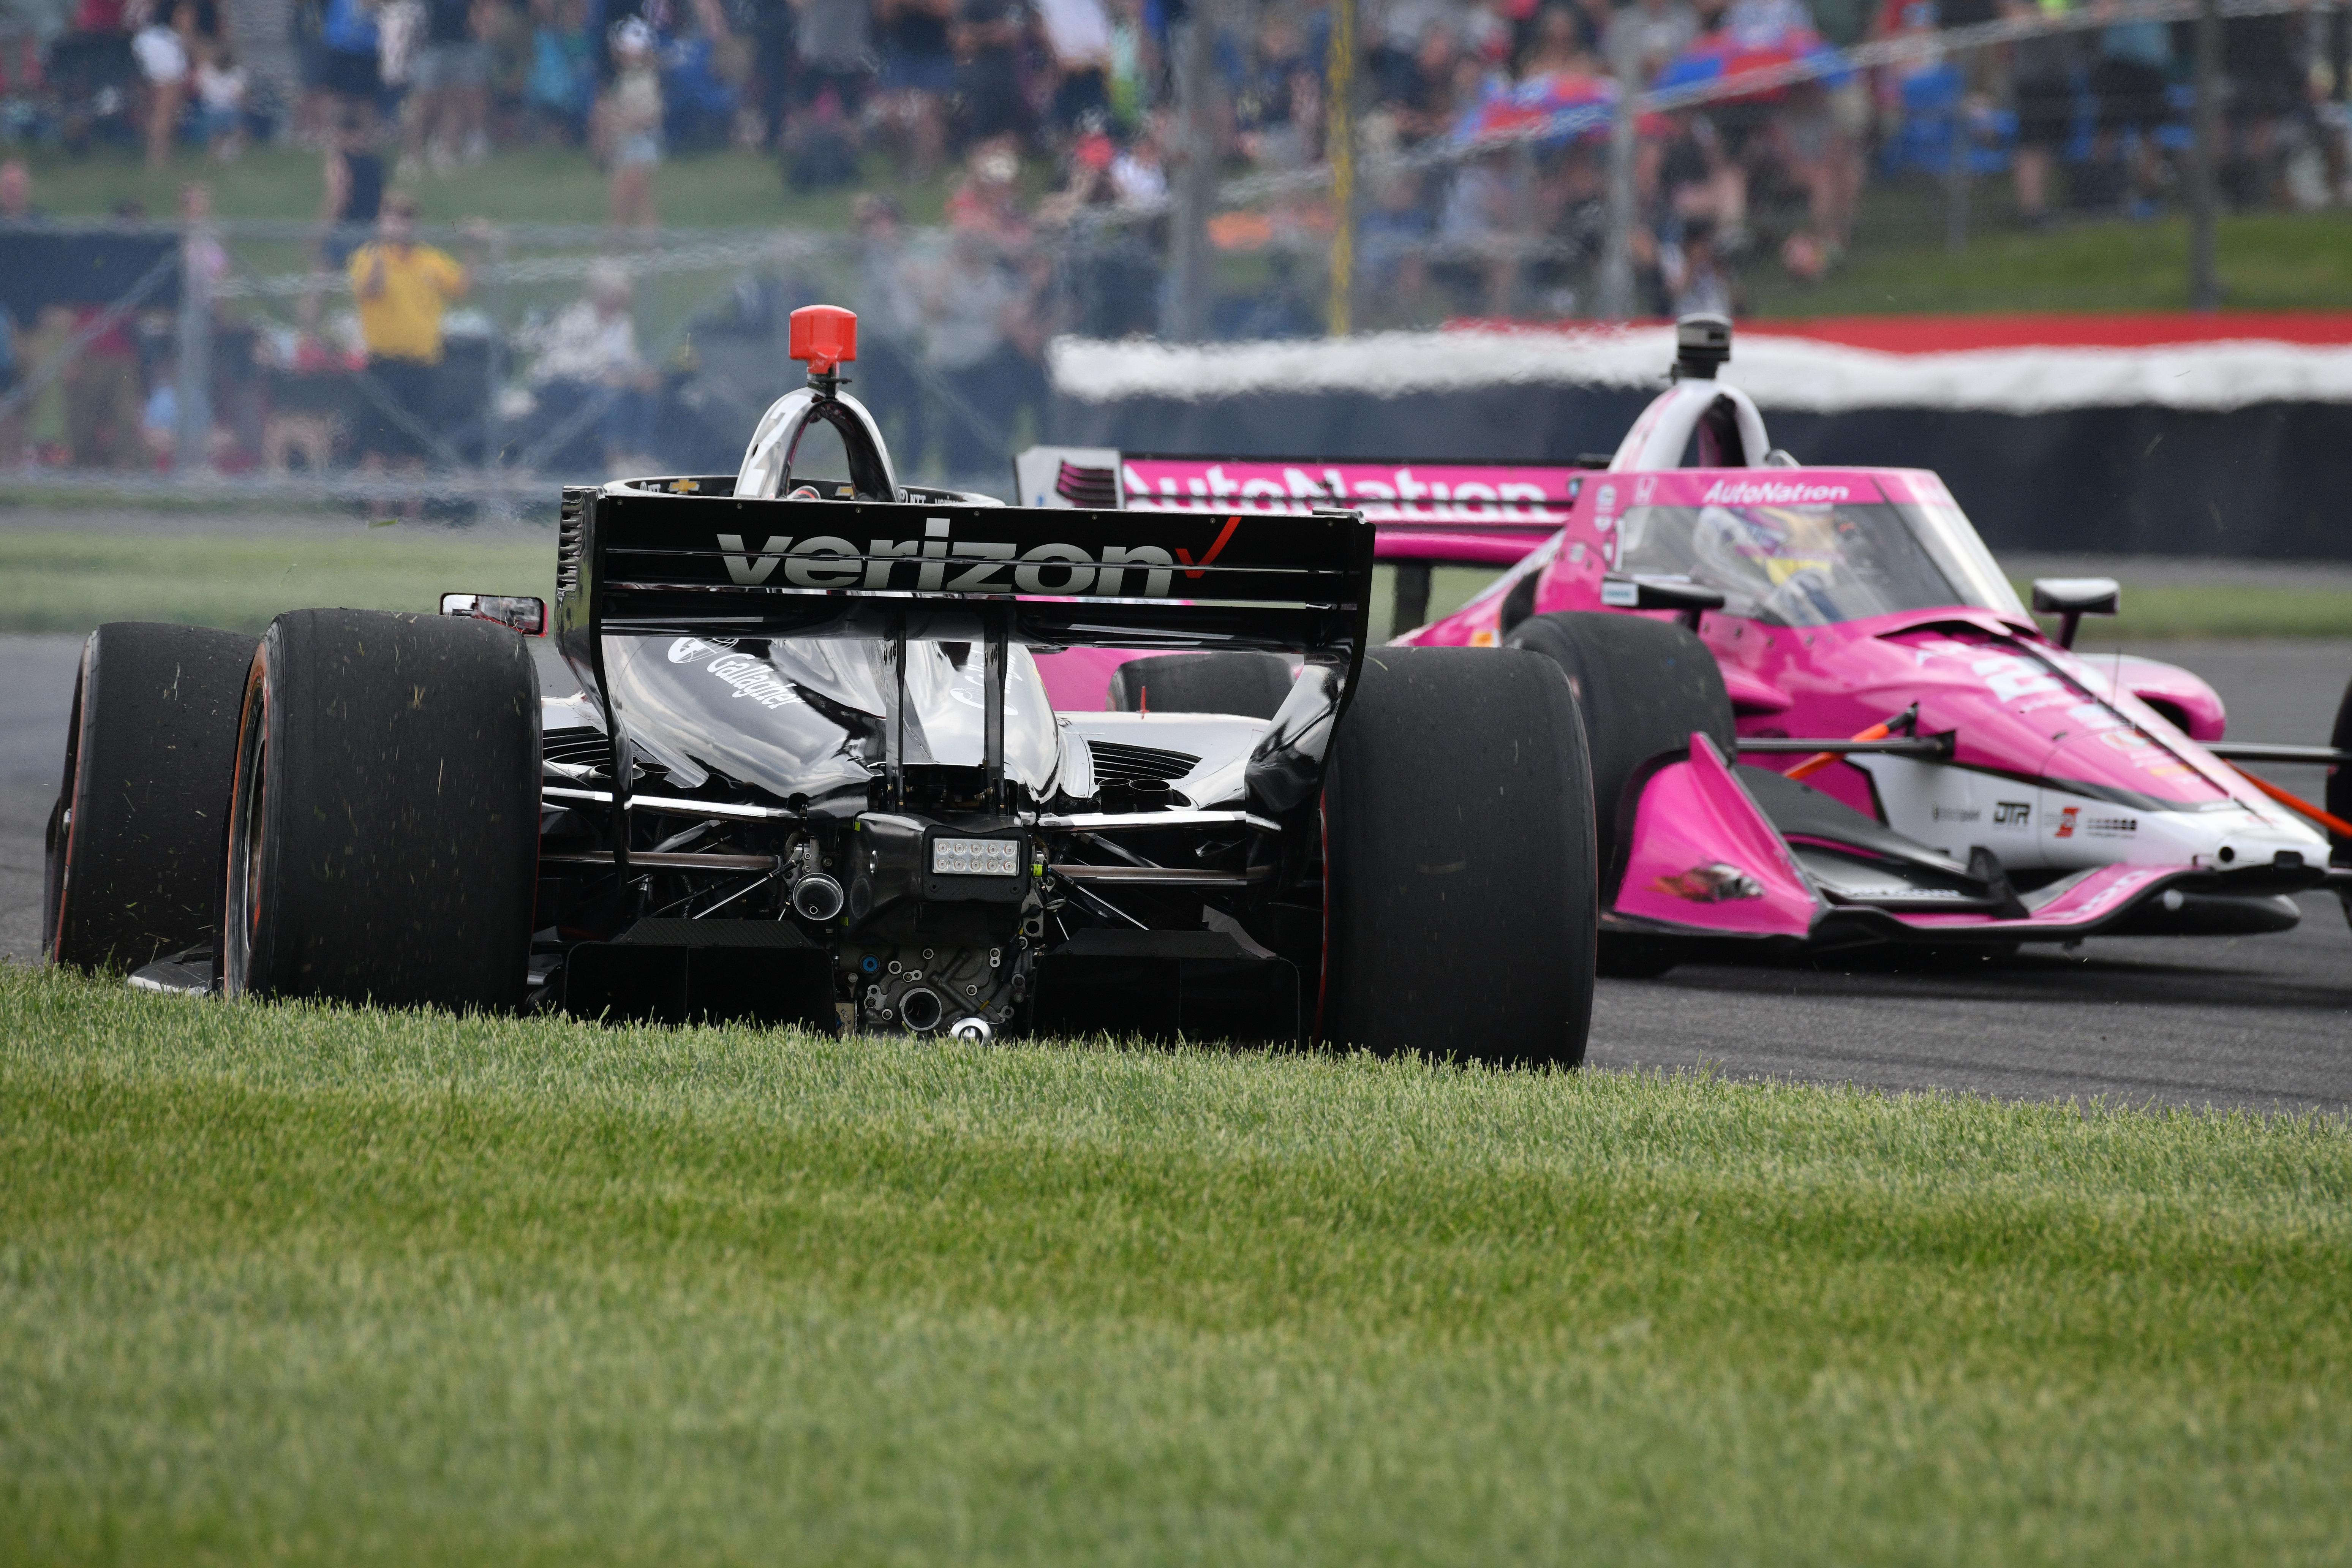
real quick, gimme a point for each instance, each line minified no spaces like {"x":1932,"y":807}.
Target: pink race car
{"x":1817,"y":713}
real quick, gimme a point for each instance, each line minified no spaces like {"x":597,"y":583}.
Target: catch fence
{"x":226,"y":356}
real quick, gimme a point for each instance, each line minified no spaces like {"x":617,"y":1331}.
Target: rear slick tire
{"x":133,"y":849}
{"x":384,"y":823}
{"x":1459,"y":902}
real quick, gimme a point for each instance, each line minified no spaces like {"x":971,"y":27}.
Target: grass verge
{"x":57,"y":580}
{"x":290,"y":1283}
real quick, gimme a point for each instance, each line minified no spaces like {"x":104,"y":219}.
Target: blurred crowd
{"x":1052,"y":133}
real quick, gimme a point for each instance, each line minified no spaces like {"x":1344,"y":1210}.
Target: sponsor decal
{"x":2017,"y":813}
{"x":981,"y":566}
{"x":1606,"y":501}
{"x":754,"y":678}
{"x":1773,"y":492}
{"x":686,"y":650}
{"x":1956,"y":814}
{"x":2109,"y":826}
{"x":1644,"y":489}
{"x":1710,"y":884}
{"x":1454,"y":492}
{"x":2010,"y":675}
{"x":2067,"y":822}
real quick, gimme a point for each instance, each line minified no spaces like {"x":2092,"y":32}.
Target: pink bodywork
{"x":2010,"y":692}
{"x":2018,"y":705}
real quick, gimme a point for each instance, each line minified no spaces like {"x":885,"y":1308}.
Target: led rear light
{"x":975,"y":856}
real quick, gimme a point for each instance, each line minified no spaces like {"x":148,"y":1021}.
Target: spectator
{"x":1762,"y":24}
{"x":1394,"y":245}
{"x":403,"y":289}
{"x":986,"y":202}
{"x":890,"y":324}
{"x":2130,"y":79}
{"x":101,"y":391}
{"x":988,"y":35}
{"x":221,"y":89}
{"x":1426,"y":108}
{"x":27,"y":28}
{"x":13,"y":418}
{"x":16,"y":192}
{"x":968,"y":301}
{"x":590,"y":352}
{"x":449,"y":87}
{"x":1645,"y":36}
{"x":159,"y":419}
{"x":1693,"y":281}
{"x":1078,"y":36}
{"x":399,"y":29}
{"x":1132,"y":62}
{"x":352,"y":192}
{"x":832,"y":51}
{"x":2269,"y":94}
{"x":351,"y":77}
{"x":919,"y":74}
{"x":1139,"y":175}
{"x":1558,"y":47}
{"x":2043,"y":87}
{"x":162,"y":55}
{"x":1264,"y":98}
{"x":832,"y":68}
{"x":629,"y":129}
{"x":1476,"y":224}
{"x":557,"y":91}
{"x":1811,"y":139}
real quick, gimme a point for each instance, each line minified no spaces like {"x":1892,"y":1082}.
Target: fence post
{"x":1617,"y":248}
{"x":1185,"y":312}
{"x":192,"y":441}
{"x":1339,"y":148}
{"x":2205,"y":161}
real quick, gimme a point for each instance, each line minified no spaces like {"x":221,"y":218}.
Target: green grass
{"x":56,"y":580}
{"x":2266,"y":261}
{"x":2173,"y":614}
{"x":291,"y":1284}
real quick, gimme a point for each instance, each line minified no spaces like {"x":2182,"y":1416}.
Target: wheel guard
{"x":1721,"y":851}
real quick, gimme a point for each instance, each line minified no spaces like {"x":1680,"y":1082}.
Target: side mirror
{"x":1680,"y":594}
{"x":2072,"y":598}
{"x":527,"y":616}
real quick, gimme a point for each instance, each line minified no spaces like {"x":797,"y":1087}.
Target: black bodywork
{"x":744,"y":808}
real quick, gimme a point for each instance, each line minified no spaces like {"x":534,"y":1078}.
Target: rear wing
{"x":653,"y":556}
{"x":685,"y":556}
{"x":1500,"y":501}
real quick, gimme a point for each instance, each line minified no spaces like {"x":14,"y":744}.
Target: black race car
{"x":790,"y":755}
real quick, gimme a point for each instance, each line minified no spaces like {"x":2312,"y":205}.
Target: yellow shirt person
{"x":403,"y":289}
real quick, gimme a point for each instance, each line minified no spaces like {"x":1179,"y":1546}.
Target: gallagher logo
{"x":938,"y":564}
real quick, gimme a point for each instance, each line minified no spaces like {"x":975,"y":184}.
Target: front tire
{"x":383,"y":824}
{"x":1644,"y":687}
{"x":134,"y":841}
{"x":1459,"y":899}
{"x":1255,"y":685}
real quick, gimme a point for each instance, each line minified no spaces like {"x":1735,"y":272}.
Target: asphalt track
{"x":2263,"y":1022}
